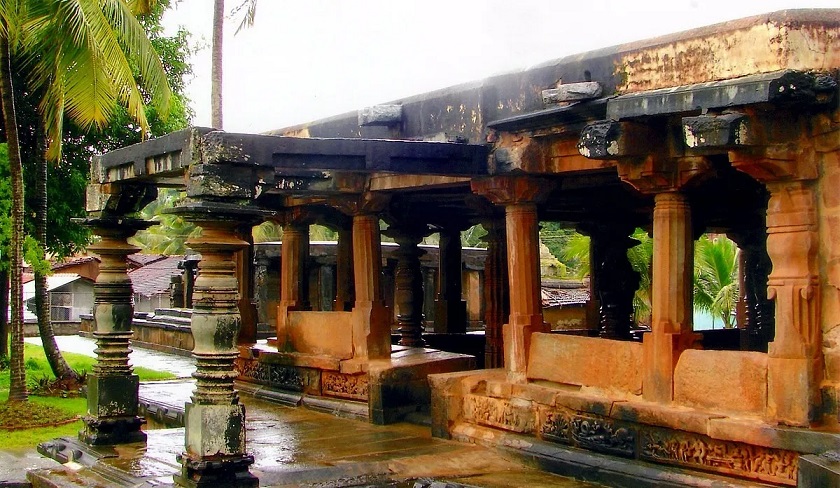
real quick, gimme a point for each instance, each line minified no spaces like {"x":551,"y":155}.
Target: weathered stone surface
{"x":572,"y":92}
{"x":717,"y":131}
{"x":760,"y":433}
{"x":702,"y":452}
{"x":321,"y":333}
{"x":513,"y":415}
{"x":819,"y":471}
{"x":734,"y":381}
{"x":380,"y":115}
{"x":670,"y":416}
{"x":586,"y":361}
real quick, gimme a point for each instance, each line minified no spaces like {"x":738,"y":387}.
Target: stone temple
{"x":732,"y":129}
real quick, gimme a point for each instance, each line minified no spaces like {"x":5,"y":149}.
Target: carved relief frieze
{"x":556,"y":425}
{"x":501,"y":413}
{"x":340,"y":385}
{"x":286,"y":377}
{"x":603,"y":435}
{"x":588,"y":432}
{"x":701,"y":452}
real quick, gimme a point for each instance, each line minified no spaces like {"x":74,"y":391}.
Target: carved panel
{"x":701,"y":452}
{"x":556,"y":425}
{"x":286,"y":377}
{"x":340,"y":385}
{"x":501,"y":413}
{"x":588,"y":432}
{"x":603,"y":435}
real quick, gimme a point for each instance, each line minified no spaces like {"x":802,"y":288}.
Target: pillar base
{"x":112,"y":411}
{"x":371,"y":330}
{"x":450,"y":316}
{"x":517,"y":343}
{"x":214,"y":430}
{"x":792,"y":390}
{"x":105,"y":431}
{"x":214,"y":471}
{"x":661,"y":352}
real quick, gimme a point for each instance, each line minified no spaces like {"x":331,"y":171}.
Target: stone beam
{"x":162,"y":156}
{"x":785,"y":86}
{"x":359,"y":155}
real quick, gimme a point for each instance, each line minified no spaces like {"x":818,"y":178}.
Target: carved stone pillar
{"x":408,"y":281}
{"x":112,"y":387}
{"x":519,"y":196}
{"x":294,"y":278}
{"x":794,"y":366}
{"x":344,"y":271}
{"x":245,"y":277}
{"x":758,"y":311}
{"x":214,"y":452}
{"x":615,"y":280}
{"x":671,"y":306}
{"x":294,"y":254}
{"x":261,"y":264}
{"x":450,"y":309}
{"x":371,"y":327}
{"x":496,"y":294}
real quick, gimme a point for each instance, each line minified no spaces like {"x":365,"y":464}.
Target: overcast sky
{"x":308,"y":59}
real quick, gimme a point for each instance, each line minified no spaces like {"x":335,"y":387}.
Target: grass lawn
{"x":60,"y":415}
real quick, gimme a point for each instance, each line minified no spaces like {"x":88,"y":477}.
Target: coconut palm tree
{"x":79,"y":56}
{"x":250,"y":7}
{"x":716,"y":277}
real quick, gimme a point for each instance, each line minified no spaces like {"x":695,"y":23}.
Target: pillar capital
{"x":358,"y":204}
{"x":769,"y":164}
{"x":657,"y":173}
{"x":513,"y":190}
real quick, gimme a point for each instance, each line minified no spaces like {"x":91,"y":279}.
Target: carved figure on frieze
{"x":601,"y":435}
{"x":346,"y":386}
{"x":746,"y":460}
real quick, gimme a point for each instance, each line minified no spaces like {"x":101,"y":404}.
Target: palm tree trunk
{"x":216,"y":66}
{"x":4,"y":314}
{"x":59,"y":366}
{"x":17,"y":388}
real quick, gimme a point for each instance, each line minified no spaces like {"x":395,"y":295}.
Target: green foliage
{"x":267,"y":232}
{"x":57,"y":409}
{"x":170,"y":235}
{"x":716,"y":277}
{"x":641,"y":259}
{"x":472,"y":236}
{"x":568,"y":246}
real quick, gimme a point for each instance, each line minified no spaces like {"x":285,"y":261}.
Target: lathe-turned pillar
{"x":214,"y":453}
{"x":111,"y":416}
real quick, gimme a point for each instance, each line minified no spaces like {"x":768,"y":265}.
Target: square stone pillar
{"x":671,"y":295}
{"x":371,"y":324}
{"x":795,"y":362}
{"x":496,"y":294}
{"x":294,"y":278}
{"x":344,"y":296}
{"x":450,"y":309}
{"x":112,"y":405}
{"x":519,"y":196}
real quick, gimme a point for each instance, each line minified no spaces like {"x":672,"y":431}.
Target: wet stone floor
{"x":302,"y":447}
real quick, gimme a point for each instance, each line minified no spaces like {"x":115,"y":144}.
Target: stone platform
{"x":380,"y":390}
